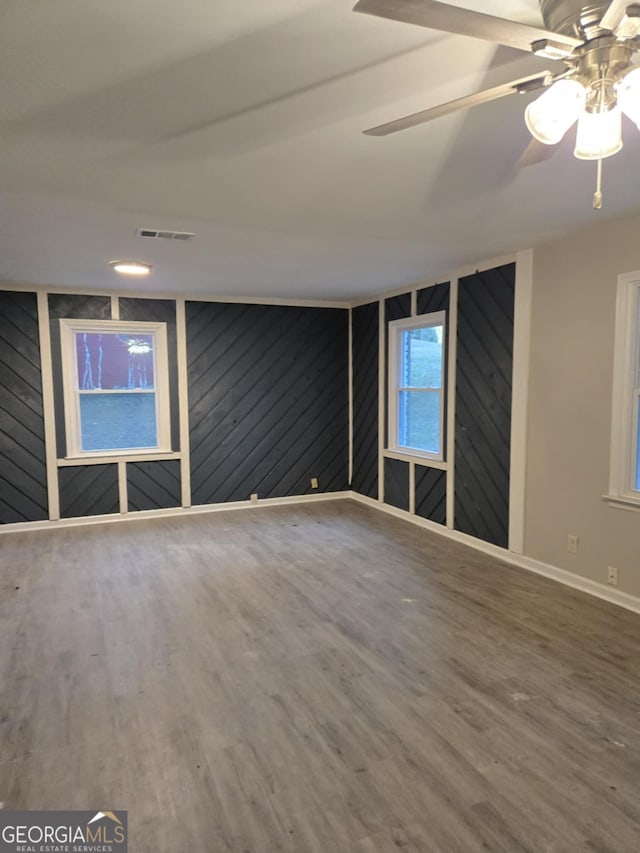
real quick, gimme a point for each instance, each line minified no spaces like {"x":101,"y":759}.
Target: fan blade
{"x":614,"y":14}
{"x":534,"y":81}
{"x":451,"y":19}
{"x":536,"y":152}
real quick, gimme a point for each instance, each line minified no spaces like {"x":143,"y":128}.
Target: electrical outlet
{"x":254,"y":499}
{"x":572,"y":544}
{"x":314,"y":482}
{"x":613,"y":576}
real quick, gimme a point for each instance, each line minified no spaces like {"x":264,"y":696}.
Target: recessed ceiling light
{"x":130,"y":267}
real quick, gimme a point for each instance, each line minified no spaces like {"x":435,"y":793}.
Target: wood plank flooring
{"x":316,"y":679}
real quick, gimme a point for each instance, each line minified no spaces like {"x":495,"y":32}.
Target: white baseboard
{"x":613,"y":596}
{"x":112,"y":518}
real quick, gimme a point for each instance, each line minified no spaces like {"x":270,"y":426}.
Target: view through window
{"x":417,"y":378}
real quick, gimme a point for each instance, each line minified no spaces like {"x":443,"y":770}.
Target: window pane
{"x":419,"y":420}
{"x":118,"y":421}
{"x":422,"y":357}
{"x":107,"y":361}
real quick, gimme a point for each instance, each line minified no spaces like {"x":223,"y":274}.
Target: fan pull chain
{"x":597,"y":196}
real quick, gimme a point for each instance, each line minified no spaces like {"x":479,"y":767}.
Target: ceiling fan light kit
{"x":597,"y":42}
{"x":599,"y":135}
{"x":551,"y":115}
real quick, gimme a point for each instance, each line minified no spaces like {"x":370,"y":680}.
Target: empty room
{"x":320,"y":426}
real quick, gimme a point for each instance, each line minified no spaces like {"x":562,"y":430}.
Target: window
{"x":116,"y":390}
{"x":416,"y":385}
{"x":625,"y":446}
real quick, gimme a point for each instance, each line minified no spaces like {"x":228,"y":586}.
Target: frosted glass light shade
{"x":599,"y":135}
{"x":629,"y":95}
{"x":551,"y":115}
{"x":130,"y":267}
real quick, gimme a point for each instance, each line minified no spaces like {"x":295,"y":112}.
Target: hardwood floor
{"x":317,"y":679}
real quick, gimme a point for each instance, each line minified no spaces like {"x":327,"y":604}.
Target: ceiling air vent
{"x":156,"y":234}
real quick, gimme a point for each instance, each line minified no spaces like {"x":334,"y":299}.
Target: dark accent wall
{"x":268,"y":400}
{"x":160,"y":311}
{"x":483,"y":403}
{"x":88,"y":490}
{"x":396,"y":483}
{"x":23,"y":478}
{"x":365,"y":323}
{"x":431,"y":494}
{"x":153,"y":485}
{"x":433,"y":298}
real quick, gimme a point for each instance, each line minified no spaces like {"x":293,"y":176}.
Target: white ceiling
{"x":242,"y":121}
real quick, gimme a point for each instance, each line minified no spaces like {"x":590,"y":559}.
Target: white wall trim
{"x":183,"y":403}
{"x":520,"y":398}
{"x":174,"y":295}
{"x":606,"y":593}
{"x":122,"y":487}
{"x":28,"y":526}
{"x":623,"y":409}
{"x":489,"y":264}
{"x":452,"y":355}
{"x":412,"y":487}
{"x":447,"y":275}
{"x":115,"y":307}
{"x":48,"y":406}
{"x":426,"y":461}
{"x":75,"y":461}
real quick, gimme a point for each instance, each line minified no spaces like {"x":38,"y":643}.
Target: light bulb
{"x":629,"y":95}
{"x":599,"y":135}
{"x":130,"y":267}
{"x":551,"y":115}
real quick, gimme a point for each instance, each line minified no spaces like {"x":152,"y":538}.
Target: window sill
{"x":154,"y":456}
{"x":415,"y":456}
{"x":622,"y":502}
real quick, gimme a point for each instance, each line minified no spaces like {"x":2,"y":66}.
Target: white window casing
{"x":69,"y":328}
{"x":396,"y":329}
{"x":623,"y":486}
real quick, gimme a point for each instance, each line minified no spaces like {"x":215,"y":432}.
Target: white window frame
{"x":626,"y":394}
{"x":68,"y":330}
{"x":396,"y":328}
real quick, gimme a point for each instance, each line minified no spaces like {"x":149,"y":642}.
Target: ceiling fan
{"x":596,"y":43}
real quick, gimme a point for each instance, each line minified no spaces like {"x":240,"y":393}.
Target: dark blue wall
{"x":23,"y":479}
{"x":364,"y":345}
{"x":483,"y":403}
{"x":268,"y":400}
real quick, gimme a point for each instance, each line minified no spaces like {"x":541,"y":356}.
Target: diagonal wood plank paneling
{"x":396,"y":483}
{"x":159,"y":311}
{"x":365,"y":321}
{"x":88,"y":490}
{"x":153,"y":485}
{"x":431,"y":494}
{"x":483,"y":403}
{"x":433,"y":298}
{"x":268,"y":400}
{"x":23,"y":480}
